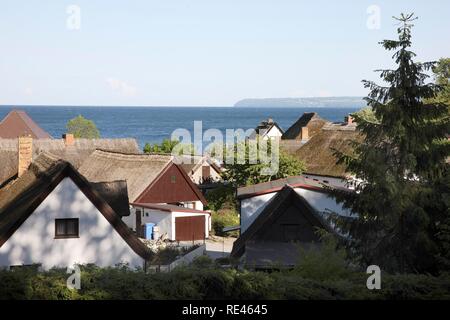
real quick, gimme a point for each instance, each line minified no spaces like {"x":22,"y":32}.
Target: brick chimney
{"x":69,"y":140}
{"x":305,"y":133}
{"x":25,"y":154}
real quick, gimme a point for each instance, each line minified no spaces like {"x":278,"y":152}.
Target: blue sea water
{"x":153,"y":124}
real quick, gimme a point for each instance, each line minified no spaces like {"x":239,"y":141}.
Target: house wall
{"x":252,"y":207}
{"x":273,"y":133}
{"x":322,"y":202}
{"x":162,"y":219}
{"x":197,"y":175}
{"x":290,"y":225}
{"x":99,"y":242}
{"x":171,"y":187}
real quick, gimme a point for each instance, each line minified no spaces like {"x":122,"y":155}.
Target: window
{"x":189,"y":205}
{"x":66,"y":228}
{"x":173,"y":179}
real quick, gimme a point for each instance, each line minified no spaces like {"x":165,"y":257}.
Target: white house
{"x":278,"y":215}
{"x":174,"y":223}
{"x":267,"y":129}
{"x":152,"y":179}
{"x":52,"y":216}
{"x":200,"y":169}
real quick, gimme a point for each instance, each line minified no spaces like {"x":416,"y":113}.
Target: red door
{"x":190,"y":228}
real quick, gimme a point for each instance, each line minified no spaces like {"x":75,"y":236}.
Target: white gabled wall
{"x":321,"y":201}
{"x":252,"y":207}
{"x":99,"y":243}
{"x":274,"y":132}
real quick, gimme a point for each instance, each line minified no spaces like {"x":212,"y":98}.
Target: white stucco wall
{"x":165,"y":220}
{"x":197,"y":175}
{"x":252,"y":207}
{"x":273,"y":133}
{"x":162,"y":219}
{"x":321,"y":201}
{"x":198,"y":205}
{"x":130,"y":220}
{"x":99,"y":242}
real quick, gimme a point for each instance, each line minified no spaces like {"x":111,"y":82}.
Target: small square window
{"x":66,"y":228}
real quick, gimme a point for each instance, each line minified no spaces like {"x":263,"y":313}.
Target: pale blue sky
{"x":200,"y":52}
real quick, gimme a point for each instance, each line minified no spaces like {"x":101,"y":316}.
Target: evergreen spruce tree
{"x":402,"y":162}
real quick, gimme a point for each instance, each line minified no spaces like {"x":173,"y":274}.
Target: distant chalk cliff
{"x":326,"y":102}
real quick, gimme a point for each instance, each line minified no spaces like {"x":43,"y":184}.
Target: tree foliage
{"x":167,"y":146}
{"x":81,"y":127}
{"x":402,"y":163}
{"x":248,"y":172}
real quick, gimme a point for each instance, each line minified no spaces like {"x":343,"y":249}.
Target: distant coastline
{"x":316,"y":102}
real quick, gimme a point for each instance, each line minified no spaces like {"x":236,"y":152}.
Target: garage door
{"x":190,"y":228}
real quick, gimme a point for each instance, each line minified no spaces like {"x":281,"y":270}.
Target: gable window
{"x":173,"y":179}
{"x":66,"y":228}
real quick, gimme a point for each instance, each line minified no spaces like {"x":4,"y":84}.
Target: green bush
{"x":203,"y":280}
{"x":224,"y":219}
{"x":222,"y":197}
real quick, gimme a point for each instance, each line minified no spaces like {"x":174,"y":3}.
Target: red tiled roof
{"x":18,"y":123}
{"x":168,"y":208}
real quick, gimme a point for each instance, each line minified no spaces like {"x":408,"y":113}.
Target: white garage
{"x":173,"y":222}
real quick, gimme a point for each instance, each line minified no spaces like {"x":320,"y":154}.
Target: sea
{"x":153,"y":124}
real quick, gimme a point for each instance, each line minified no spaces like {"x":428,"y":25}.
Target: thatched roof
{"x":191,"y":164}
{"x":311,"y":120}
{"x":19,"y":199}
{"x":138,"y":170}
{"x":318,"y":152}
{"x":75,"y":154}
{"x":116,"y":194}
{"x":18,"y":123}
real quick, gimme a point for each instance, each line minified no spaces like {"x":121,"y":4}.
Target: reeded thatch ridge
{"x":311,"y":120}
{"x":138,"y":170}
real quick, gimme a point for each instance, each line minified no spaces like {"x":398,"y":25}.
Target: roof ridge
{"x":125,"y":155}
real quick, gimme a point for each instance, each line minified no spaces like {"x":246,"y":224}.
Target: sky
{"x":201,"y":52}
